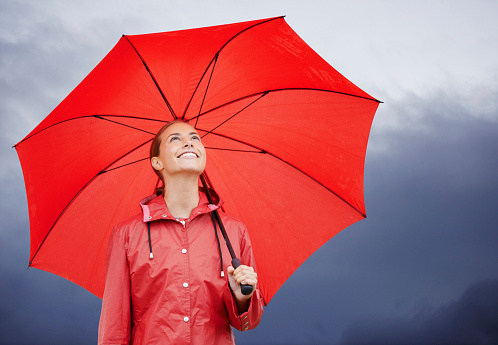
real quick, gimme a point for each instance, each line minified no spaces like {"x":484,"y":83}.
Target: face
{"x":180,"y":152}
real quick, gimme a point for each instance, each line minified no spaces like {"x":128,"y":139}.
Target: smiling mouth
{"x":188,"y":155}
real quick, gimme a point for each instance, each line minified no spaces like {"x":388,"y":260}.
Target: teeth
{"x":188,"y":154}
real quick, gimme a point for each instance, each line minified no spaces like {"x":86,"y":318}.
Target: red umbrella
{"x":286,"y":134}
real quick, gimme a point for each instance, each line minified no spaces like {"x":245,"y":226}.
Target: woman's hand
{"x":242,"y":275}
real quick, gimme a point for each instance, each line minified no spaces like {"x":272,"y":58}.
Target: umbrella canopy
{"x":286,"y":136}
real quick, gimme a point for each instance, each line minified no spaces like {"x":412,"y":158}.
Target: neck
{"x":181,"y":195}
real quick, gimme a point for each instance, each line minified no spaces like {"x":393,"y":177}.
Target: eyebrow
{"x":191,"y":133}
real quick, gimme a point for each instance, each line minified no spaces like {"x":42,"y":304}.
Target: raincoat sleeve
{"x":115,"y":318}
{"x":250,"y":319}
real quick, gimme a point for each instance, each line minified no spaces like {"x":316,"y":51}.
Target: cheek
{"x":204,"y":155}
{"x":169,"y":151}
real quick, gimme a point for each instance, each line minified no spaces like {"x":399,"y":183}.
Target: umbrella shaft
{"x":235,"y":260}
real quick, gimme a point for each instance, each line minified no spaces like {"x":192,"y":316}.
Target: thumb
{"x":230,"y":270}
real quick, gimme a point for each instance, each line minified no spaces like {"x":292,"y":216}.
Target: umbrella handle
{"x":245,"y":289}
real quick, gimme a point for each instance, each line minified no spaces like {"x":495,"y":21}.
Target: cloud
{"x":431,"y":195}
{"x":472,"y":319}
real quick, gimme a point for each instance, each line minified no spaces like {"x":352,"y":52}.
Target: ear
{"x":156,"y":163}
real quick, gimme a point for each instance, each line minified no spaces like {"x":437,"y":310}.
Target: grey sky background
{"x":421,"y":269}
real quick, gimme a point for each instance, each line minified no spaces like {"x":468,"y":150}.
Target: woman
{"x":164,"y":283}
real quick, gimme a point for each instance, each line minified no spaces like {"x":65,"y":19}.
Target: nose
{"x":188,"y":143}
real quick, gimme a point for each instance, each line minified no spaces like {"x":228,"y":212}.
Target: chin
{"x":197,"y":171}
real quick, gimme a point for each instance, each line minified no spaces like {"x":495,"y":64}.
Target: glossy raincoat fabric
{"x":179,"y":296}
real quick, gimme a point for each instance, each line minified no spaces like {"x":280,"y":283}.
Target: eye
{"x":196,"y":138}
{"x":174,"y":138}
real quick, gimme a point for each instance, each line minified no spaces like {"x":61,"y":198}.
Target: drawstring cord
{"x":151,"y":256}
{"x":219,"y":247}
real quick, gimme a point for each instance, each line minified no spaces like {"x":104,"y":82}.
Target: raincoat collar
{"x":154,"y":207}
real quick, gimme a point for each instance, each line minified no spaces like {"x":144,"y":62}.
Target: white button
{"x":185,"y":284}
{"x":184,"y":250}
{"x":164,"y":216}
{"x":185,"y":319}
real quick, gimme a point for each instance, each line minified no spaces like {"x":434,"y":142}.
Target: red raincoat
{"x":178,"y":297}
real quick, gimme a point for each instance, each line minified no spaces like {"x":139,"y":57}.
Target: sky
{"x":422,"y":268}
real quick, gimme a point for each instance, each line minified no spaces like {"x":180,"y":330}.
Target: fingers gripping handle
{"x":246,"y":289}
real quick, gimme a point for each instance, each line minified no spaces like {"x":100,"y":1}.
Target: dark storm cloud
{"x":42,"y":60}
{"x":38,"y":308}
{"x":436,"y":192}
{"x":36,"y":62}
{"x":473,"y":319}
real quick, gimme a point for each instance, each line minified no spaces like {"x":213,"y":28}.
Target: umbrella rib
{"x":101,"y":117}
{"x":122,"y":166}
{"x":231,"y":150}
{"x":289,"y":164}
{"x":215,"y":57}
{"x":123,"y":124}
{"x":231,"y":117}
{"x":207,"y":87}
{"x":153,"y":78}
{"x":79,"y":192}
{"x":283,"y":89}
